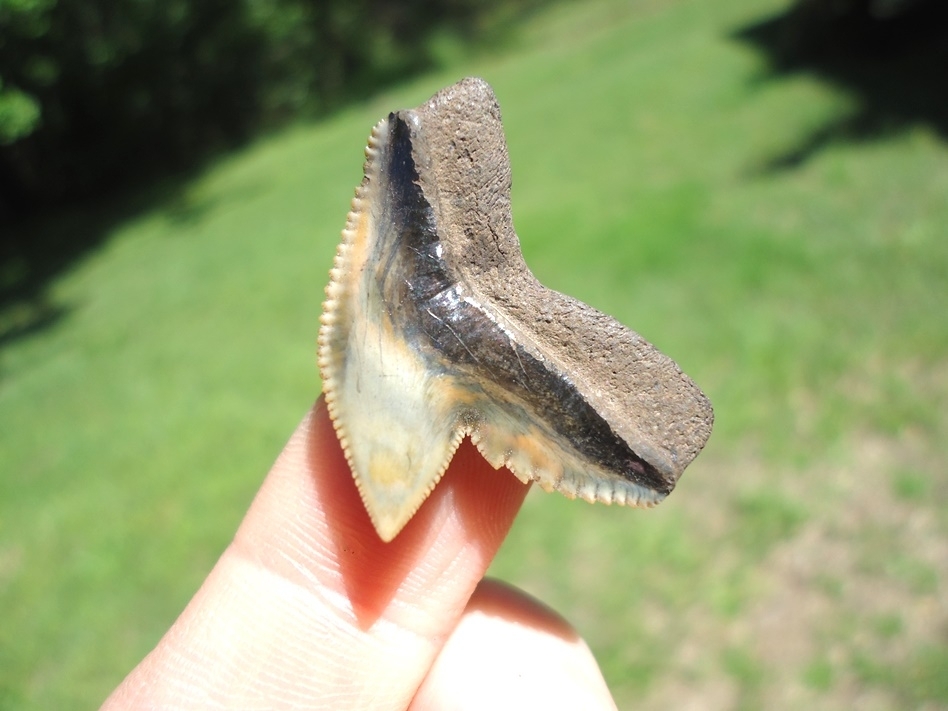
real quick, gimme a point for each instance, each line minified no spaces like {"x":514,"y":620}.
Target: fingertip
{"x":510,"y":651}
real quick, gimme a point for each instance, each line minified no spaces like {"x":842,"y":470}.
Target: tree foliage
{"x":95,"y":93}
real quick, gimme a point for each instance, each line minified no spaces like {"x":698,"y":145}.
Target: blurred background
{"x":759,"y":187}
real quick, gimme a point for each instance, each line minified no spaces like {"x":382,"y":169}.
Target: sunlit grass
{"x":808,"y":302}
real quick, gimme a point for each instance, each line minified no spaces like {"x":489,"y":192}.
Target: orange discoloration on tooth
{"x":385,"y":469}
{"x":532,"y":446}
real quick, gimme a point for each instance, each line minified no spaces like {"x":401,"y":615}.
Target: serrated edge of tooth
{"x":336,"y":290}
{"x":387,"y":534}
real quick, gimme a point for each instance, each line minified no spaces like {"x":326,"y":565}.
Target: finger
{"x":309,"y":608}
{"x":511,"y":652}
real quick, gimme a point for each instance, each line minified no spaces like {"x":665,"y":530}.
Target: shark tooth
{"x":434,"y":329}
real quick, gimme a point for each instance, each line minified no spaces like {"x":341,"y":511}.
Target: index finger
{"x":309,"y":608}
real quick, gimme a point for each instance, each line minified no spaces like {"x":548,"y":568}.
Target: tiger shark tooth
{"x":434,"y":329}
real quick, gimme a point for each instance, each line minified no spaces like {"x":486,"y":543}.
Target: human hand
{"x":308,"y":608}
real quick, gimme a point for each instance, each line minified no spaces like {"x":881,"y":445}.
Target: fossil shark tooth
{"x":434,"y":328}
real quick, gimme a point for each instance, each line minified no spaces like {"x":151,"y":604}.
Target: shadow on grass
{"x":35,"y":251}
{"x":890,"y":56}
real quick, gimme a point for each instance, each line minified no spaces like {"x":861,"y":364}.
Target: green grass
{"x":808,"y":302}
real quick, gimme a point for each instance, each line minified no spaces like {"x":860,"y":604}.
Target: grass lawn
{"x":803,"y":561}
